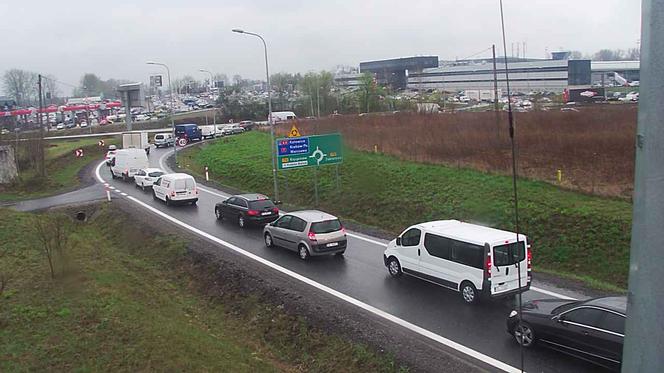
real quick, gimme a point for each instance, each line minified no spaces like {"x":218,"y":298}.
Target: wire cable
{"x":514,"y":186}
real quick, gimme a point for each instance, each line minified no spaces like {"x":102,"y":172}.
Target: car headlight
{"x":513,"y":313}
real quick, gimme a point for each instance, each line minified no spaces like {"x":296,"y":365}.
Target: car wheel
{"x":468,"y":292}
{"x":143,"y":186}
{"x":524,"y":334}
{"x":193,"y":203}
{"x":268,"y":240}
{"x":340,"y":253}
{"x":394,"y":267}
{"x":168,"y":201}
{"x":125,"y":177}
{"x":303,"y":252}
{"x":113,"y":175}
{"x":218,"y":214}
{"x":241,"y":222}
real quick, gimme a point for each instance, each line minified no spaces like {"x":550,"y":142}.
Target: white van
{"x":282,"y":116}
{"x":127,"y":162}
{"x":165,"y":139}
{"x":175,"y":188}
{"x":471,"y":259}
{"x":208,"y":131}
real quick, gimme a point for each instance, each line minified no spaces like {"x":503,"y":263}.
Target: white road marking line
{"x":359,"y":237}
{"x":417,"y":329}
{"x":124,"y":194}
{"x":111,"y":187}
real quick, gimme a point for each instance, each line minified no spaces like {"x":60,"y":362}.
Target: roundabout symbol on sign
{"x":318,"y":155}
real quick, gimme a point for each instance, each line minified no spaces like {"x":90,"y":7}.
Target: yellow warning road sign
{"x":294,"y":132}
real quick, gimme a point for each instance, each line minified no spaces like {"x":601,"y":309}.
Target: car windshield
{"x":155,"y":174}
{"x":327,"y":226}
{"x":261,"y":204}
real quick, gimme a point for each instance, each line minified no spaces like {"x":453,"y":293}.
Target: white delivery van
{"x":282,"y":116}
{"x":127,"y":162}
{"x":471,"y":259}
{"x":175,"y":188}
{"x":208,"y":131}
{"x":138,"y":140}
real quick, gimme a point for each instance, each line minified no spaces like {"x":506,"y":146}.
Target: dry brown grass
{"x":593,"y":147}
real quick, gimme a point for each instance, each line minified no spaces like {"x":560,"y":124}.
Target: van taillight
{"x":173,"y":194}
{"x":530,"y":258}
{"x":487,"y":267}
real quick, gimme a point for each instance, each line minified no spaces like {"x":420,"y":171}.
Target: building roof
{"x":614,"y":65}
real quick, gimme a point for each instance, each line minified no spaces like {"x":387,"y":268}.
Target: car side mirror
{"x":277,"y":202}
{"x":560,"y":319}
{"x":225,"y":202}
{"x":398,"y":241}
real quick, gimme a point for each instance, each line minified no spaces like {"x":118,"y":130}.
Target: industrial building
{"x":554,"y":75}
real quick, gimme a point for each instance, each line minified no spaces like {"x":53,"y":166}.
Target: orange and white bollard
{"x":108,"y":194}
{"x":207,"y":175}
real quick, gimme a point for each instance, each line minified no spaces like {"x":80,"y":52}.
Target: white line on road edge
{"x":417,"y":329}
{"x":533,"y":288}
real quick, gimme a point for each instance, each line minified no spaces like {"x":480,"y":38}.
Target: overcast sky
{"x":113,"y":39}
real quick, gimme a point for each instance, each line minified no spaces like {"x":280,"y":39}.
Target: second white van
{"x":127,"y":162}
{"x":471,"y":259}
{"x":175,"y":188}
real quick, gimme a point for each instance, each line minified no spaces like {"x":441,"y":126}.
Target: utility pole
{"x":495,"y":80}
{"x":40,"y":120}
{"x":644,"y":338}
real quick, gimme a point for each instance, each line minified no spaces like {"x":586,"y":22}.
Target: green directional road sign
{"x":307,"y":151}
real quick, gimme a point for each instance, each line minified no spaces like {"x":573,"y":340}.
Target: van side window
{"x":437,"y":246}
{"x":468,"y":254}
{"x":411,"y":237}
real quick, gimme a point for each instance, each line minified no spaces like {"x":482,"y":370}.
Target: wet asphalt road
{"x":362,"y":275}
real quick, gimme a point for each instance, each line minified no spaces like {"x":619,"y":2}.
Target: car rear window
{"x":327,"y":226}
{"x":261,"y":204}
{"x":155,"y":174}
{"x":508,"y":254}
{"x":159,"y":137}
{"x":186,"y":184}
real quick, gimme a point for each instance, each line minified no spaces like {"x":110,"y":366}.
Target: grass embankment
{"x":62,"y":169}
{"x":125,"y":299}
{"x":572,"y":234}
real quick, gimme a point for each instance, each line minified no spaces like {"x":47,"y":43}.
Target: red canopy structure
{"x":53,"y":109}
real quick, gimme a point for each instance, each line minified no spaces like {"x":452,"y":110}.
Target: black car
{"x":592,"y":330}
{"x":246,"y":209}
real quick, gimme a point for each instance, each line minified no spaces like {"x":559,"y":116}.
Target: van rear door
{"x":504,"y":270}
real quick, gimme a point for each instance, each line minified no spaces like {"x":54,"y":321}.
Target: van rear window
{"x":184,"y":184}
{"x":508,"y":254}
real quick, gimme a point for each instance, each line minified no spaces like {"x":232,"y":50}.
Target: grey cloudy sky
{"x":114,"y":38}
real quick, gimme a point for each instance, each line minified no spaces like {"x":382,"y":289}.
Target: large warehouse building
{"x":555,"y":75}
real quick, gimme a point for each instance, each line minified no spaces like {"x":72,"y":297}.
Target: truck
{"x":136,"y":140}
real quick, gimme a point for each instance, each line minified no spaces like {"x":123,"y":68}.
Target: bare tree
{"x":51,"y":88}
{"x":633,"y":54}
{"x":53,"y":234}
{"x":21,"y":85}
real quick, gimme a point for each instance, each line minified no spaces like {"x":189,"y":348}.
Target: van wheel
{"x":268,"y":240}
{"x":168,"y":201}
{"x":143,"y":186}
{"x":468,"y":292}
{"x":154,"y":195}
{"x":241,"y":222}
{"x":193,"y":203}
{"x":524,"y":334}
{"x":124,"y":177}
{"x":113,"y":175}
{"x":394,"y":267}
{"x":217,"y":213}
{"x":304,"y":253}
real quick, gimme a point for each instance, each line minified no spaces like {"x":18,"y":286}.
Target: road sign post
{"x":309,"y":151}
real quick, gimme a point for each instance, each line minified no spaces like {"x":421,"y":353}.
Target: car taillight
{"x":253,"y":212}
{"x":275,"y":210}
{"x":312,"y":236}
{"x":173,"y":194}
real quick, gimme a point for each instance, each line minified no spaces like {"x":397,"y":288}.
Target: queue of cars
{"x":476,"y":261}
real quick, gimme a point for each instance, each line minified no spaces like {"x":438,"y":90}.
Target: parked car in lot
{"x":471,"y":259}
{"x":164,"y":139}
{"x":147,"y":176}
{"x":127,"y":162}
{"x":308,"y":232}
{"x":592,"y":330}
{"x":231,"y":129}
{"x":246,"y":209}
{"x":175,"y":188}
{"x":60,"y":126}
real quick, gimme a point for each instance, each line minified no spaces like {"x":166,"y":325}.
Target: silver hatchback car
{"x":309,"y":232}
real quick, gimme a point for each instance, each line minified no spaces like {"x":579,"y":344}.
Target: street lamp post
{"x":211,"y":85}
{"x":269,"y":108}
{"x":170,"y":89}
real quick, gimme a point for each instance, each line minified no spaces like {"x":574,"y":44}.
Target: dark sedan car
{"x":247,"y":209}
{"x":592,"y":330}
